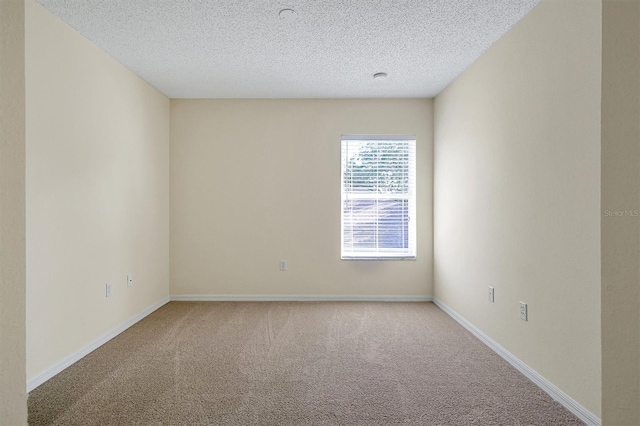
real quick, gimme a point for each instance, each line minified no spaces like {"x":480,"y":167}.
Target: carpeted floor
{"x":294,"y":364}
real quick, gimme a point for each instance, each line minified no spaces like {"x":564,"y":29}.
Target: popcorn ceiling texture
{"x":242,"y":49}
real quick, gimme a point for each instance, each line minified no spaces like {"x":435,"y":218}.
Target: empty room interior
{"x":330,"y":212}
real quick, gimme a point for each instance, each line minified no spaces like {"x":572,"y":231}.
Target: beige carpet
{"x":294,"y":364}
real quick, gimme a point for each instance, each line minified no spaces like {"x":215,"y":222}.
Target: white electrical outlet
{"x":491,"y":294}
{"x":130,"y":280}
{"x":108,"y":290}
{"x":523,"y":311}
{"x":283,"y":265}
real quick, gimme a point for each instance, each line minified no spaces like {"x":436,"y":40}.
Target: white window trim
{"x":411,"y":196}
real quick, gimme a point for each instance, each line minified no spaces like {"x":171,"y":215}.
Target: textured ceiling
{"x":242,"y":49}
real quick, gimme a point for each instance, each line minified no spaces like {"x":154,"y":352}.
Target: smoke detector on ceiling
{"x":288,"y":15}
{"x":380,"y":76}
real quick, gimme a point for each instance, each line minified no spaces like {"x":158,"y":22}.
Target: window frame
{"x":408,"y":253}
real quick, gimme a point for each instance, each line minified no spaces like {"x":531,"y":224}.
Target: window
{"x":378,"y":197}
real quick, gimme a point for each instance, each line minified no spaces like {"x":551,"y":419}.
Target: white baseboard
{"x":553,"y":391}
{"x":56,"y":368}
{"x":293,"y":298}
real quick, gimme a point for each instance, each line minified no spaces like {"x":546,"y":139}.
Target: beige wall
{"x":517,"y":194}
{"x":97,"y":191}
{"x":256,"y":181}
{"x":13,"y":400}
{"x":620,"y":195}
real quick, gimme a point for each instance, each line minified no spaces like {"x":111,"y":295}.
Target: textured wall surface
{"x":517,"y":194}
{"x":256,"y":181}
{"x":620,"y":212}
{"x":13,"y":401}
{"x":97,"y":191}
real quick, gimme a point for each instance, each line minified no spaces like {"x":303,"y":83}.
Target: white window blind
{"x":378,"y":197}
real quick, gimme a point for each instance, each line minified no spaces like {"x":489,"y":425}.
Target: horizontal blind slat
{"x":378,"y":197}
